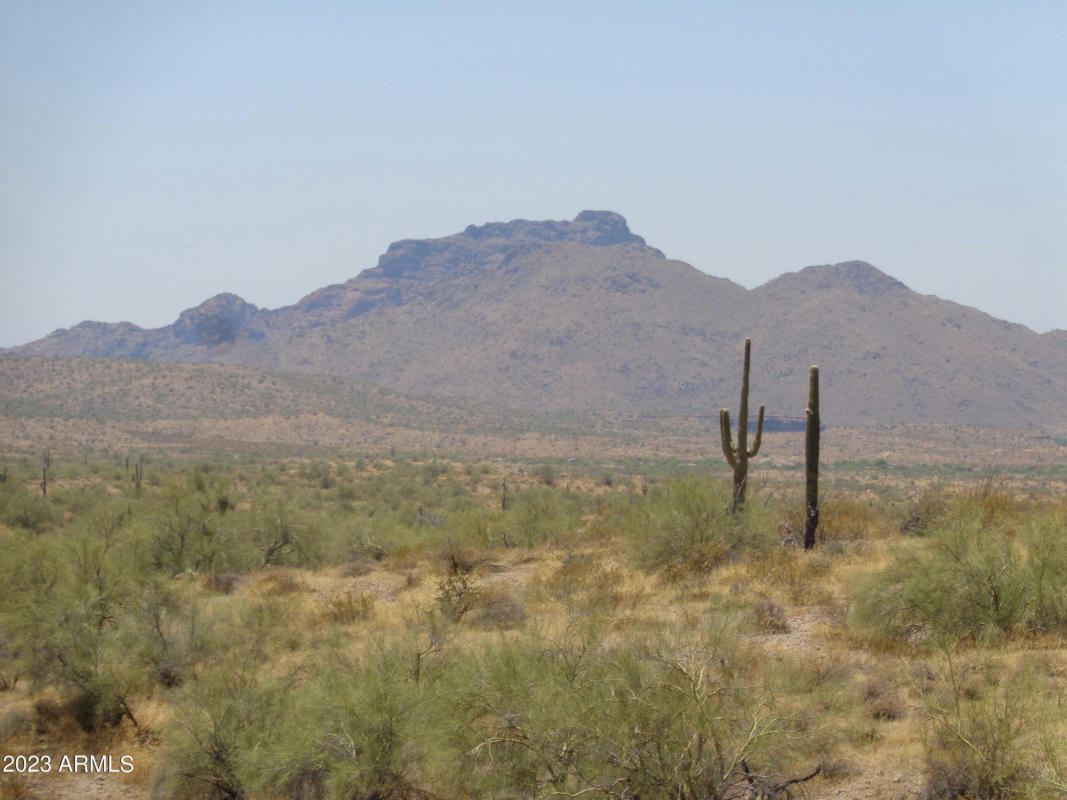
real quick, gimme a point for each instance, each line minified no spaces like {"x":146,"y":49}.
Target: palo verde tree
{"x":811,"y":461}
{"x":738,"y":457}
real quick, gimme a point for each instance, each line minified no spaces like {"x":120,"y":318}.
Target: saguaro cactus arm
{"x":728,"y":449}
{"x":759,"y":434}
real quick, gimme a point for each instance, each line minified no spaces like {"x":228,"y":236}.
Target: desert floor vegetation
{"x":403,"y":626}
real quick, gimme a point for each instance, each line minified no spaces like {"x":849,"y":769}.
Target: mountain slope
{"x":584,"y":315}
{"x":896,"y":355}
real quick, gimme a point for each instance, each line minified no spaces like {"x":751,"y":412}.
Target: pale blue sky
{"x":155,"y":154}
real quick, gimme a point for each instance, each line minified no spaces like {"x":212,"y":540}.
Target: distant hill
{"x":584,"y":315}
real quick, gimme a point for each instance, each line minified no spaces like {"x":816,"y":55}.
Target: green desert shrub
{"x":686,"y":526}
{"x":1046,"y":572}
{"x":76,"y":500}
{"x":923,"y":511}
{"x":473,"y":529}
{"x":658,"y":719}
{"x":535,"y":516}
{"x":357,"y":731}
{"x":282,"y":533}
{"x":21,"y":508}
{"x":231,"y":713}
{"x":520,"y":716}
{"x":221,"y":721}
{"x":991,"y":734}
{"x":456,"y":596}
{"x":175,"y":633}
{"x":547,"y":474}
{"x":67,"y":616}
{"x":979,"y":572}
{"x":193,"y":530}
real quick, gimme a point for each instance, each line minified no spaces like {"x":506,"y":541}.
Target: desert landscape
{"x":411,"y":625}
{"x":533,"y":401}
{"x":226,"y":581}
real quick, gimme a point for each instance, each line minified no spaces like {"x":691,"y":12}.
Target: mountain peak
{"x":487,"y":244}
{"x":605,"y":228}
{"x":856,"y":275}
{"x":215,"y":321}
{"x":598,"y":228}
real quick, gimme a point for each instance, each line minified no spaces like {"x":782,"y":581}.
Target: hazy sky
{"x":155,"y":154}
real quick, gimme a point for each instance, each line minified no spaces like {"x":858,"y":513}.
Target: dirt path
{"x":71,"y":786}
{"x":890,"y":777}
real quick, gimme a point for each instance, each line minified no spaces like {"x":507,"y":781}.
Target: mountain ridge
{"x":584,"y":314}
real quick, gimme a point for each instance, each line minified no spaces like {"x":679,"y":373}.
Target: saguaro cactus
{"x":138,"y":475}
{"x":737,"y":457}
{"x":46,"y":464}
{"x":811,"y":461}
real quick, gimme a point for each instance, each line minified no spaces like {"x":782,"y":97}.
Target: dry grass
{"x":346,"y":606}
{"x":279,"y":581}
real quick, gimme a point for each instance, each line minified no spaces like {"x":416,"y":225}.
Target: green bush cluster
{"x":72,"y":612}
{"x":523,"y":717}
{"x":685,"y":526}
{"x":101,"y":599}
{"x":991,"y":731}
{"x":21,"y":508}
{"x":983,"y":570}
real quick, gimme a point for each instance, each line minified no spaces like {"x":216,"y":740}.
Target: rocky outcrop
{"x":214,"y":322}
{"x":495,"y":243}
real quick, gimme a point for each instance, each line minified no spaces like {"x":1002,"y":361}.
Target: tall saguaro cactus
{"x":811,"y":461}
{"x":737,"y":457}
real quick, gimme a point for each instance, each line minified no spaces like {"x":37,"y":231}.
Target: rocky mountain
{"x":583,"y":315}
